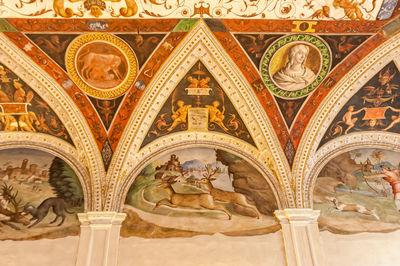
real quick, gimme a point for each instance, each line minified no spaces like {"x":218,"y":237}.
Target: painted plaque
{"x":358,"y":191}
{"x":199,"y":191}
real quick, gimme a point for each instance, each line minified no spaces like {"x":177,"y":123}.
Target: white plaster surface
{"x":214,"y":250}
{"x":365,"y":249}
{"x":44,"y":252}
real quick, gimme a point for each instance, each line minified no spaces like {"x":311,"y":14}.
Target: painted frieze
{"x":198,"y":103}
{"x":22,"y":109}
{"x":358,"y":191}
{"x":199,"y":190}
{"x":375,"y":107}
{"x":274,"y":9}
{"x":40,"y":195}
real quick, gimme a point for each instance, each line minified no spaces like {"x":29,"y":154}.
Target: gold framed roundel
{"x":102,"y":65}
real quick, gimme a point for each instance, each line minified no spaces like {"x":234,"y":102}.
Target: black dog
{"x":40,"y":212}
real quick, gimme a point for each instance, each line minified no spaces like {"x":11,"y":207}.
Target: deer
{"x":16,"y":215}
{"x":222,"y":195}
{"x":196,"y":201}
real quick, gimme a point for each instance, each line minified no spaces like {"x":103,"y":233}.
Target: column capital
{"x":297,"y":215}
{"x":101,"y":218}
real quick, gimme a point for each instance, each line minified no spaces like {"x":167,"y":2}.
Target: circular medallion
{"x":295,"y":65}
{"x":101,"y":64}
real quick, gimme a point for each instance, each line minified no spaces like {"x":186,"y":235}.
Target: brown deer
{"x":196,"y":201}
{"x":16,"y":215}
{"x":225,"y":196}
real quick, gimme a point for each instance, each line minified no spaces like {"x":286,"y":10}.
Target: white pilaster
{"x":301,"y":237}
{"x":99,"y":238}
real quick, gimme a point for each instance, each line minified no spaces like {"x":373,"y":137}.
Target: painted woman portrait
{"x":295,"y":75}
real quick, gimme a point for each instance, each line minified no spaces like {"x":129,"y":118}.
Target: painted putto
{"x":198,"y":103}
{"x":22,"y":109}
{"x":199,"y":190}
{"x":359,"y":191}
{"x":375,"y":107}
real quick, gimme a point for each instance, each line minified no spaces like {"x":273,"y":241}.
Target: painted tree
{"x":65,"y":182}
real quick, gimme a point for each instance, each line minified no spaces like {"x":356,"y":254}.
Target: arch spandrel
{"x":50,"y":91}
{"x":330,"y":107}
{"x":198,"y":45}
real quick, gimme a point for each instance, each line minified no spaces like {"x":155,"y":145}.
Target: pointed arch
{"x":306,"y":162}
{"x":199,"y":44}
{"x":53,"y":94}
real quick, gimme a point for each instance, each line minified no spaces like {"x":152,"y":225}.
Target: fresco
{"x":101,"y":64}
{"x":294,"y":65}
{"x":375,"y":107}
{"x":22,"y":109}
{"x":39,"y":196}
{"x":273,"y":9}
{"x":358,"y":191}
{"x":199,"y":191}
{"x":198,"y":103}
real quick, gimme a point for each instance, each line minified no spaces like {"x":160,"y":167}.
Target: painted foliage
{"x":358,"y":191}
{"x":22,"y":109}
{"x":40,"y":195}
{"x":196,"y":191}
{"x":198,"y":103}
{"x":274,"y":9}
{"x":375,"y":107}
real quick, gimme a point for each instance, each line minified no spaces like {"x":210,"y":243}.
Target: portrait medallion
{"x":101,"y":64}
{"x":295,"y":65}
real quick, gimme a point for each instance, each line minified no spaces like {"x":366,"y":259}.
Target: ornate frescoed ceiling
{"x":276,"y":82}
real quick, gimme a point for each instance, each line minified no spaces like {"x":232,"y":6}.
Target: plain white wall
{"x":44,"y":252}
{"x":364,"y":249}
{"x":214,"y":250}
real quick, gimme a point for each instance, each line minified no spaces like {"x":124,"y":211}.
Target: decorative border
{"x":328,"y":109}
{"x":130,"y":57}
{"x":304,"y":38}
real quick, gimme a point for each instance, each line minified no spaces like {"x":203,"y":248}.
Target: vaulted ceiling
{"x":104,"y":73}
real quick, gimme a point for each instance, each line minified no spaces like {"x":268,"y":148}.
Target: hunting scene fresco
{"x":199,"y":191}
{"x":359,"y":191}
{"x":39,"y":196}
{"x":375,"y":107}
{"x":198,"y":103}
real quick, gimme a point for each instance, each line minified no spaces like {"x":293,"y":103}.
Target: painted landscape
{"x":199,"y":191}
{"x":358,"y":191}
{"x":39,"y":196}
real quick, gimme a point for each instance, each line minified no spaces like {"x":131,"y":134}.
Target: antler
{"x":210,"y":171}
{"x":11,"y":197}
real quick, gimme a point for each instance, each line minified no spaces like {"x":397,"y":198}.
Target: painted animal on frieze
{"x":38,"y":193}
{"x":195,"y":189}
{"x":225,"y":196}
{"x":201,"y":200}
{"x":358,"y":191}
